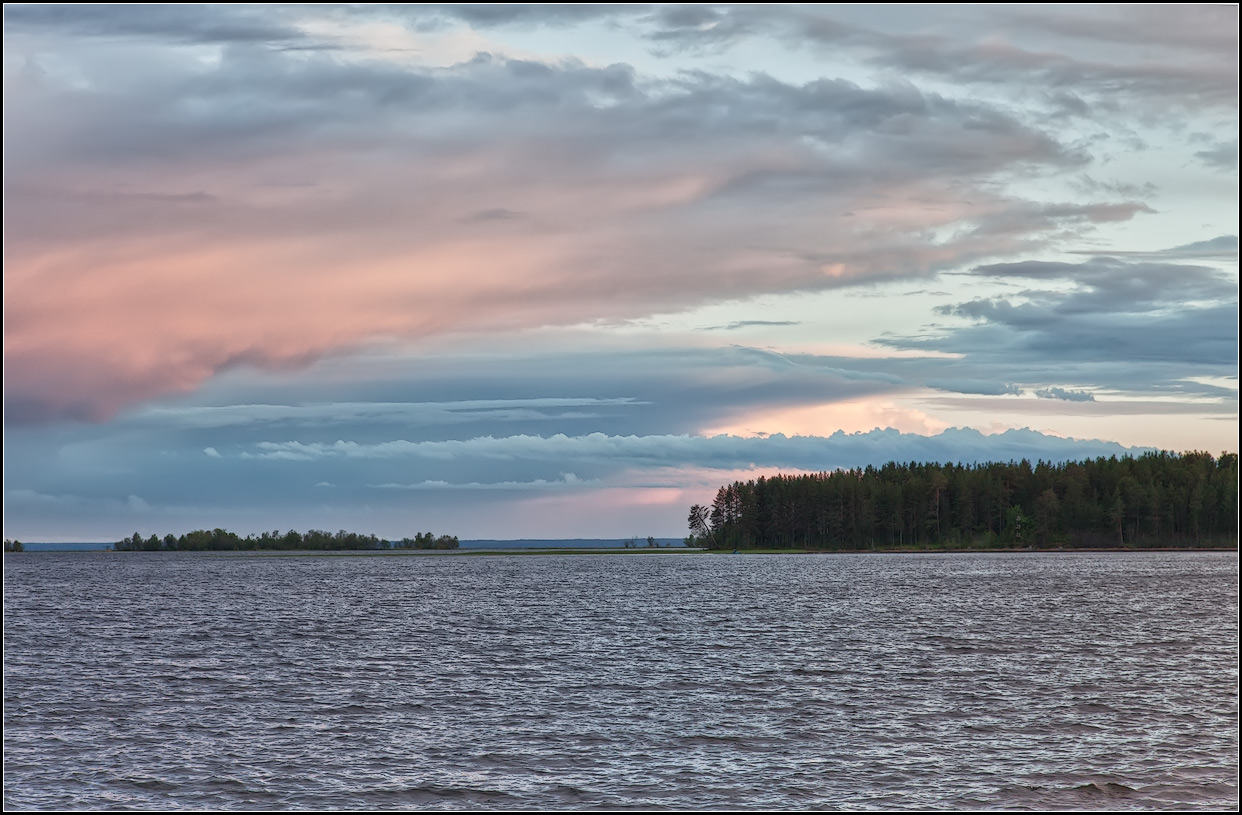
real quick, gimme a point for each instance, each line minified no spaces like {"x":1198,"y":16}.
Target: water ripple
{"x":1021,"y":682}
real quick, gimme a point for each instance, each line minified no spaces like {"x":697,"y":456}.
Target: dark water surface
{"x":677,"y":681}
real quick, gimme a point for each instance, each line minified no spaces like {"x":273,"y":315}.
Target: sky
{"x":562,"y":271}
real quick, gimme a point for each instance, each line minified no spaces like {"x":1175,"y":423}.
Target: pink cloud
{"x":132,"y":276}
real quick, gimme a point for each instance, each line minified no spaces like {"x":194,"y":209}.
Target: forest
{"x":1164,"y":499}
{"x":201,"y":540}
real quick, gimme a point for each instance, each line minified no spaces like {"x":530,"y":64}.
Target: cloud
{"x":166,"y":23}
{"x":468,"y":242}
{"x":734,"y":326}
{"x":1067,"y":395}
{"x":1202,"y":337}
{"x":567,"y":480}
{"x":276,"y":459}
{"x":1201,"y":28}
{"x":495,"y":214}
{"x":1223,"y":155}
{"x":324,"y":203}
{"x":1120,"y":284}
{"x":1196,"y":64}
{"x":325,"y":414}
{"x":715,"y":452}
{"x":979,"y":386}
{"x":498,"y":15}
{"x":629,"y":388}
{"x":1223,"y":247}
{"x":1136,"y":326}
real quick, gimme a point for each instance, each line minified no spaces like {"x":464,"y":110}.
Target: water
{"x":644,"y":681}
{"x":523,"y":543}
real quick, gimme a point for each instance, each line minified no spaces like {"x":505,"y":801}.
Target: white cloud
{"x":567,"y":480}
{"x":720,"y":452}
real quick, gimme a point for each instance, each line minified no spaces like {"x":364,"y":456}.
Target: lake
{"x":612,"y":681}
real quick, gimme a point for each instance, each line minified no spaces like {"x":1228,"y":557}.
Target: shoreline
{"x":617,"y":551}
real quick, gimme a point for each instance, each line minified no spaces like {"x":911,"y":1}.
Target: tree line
{"x":201,"y":540}
{"x":1155,"y":500}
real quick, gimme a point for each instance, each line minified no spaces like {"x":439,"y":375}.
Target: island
{"x":203,"y":540}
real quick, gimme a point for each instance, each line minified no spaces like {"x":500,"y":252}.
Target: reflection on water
{"x":682,"y":681}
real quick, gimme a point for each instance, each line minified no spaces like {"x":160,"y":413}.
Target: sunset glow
{"x":561,"y":270}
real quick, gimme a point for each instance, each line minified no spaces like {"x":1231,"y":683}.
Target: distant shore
{"x":620,"y":550}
